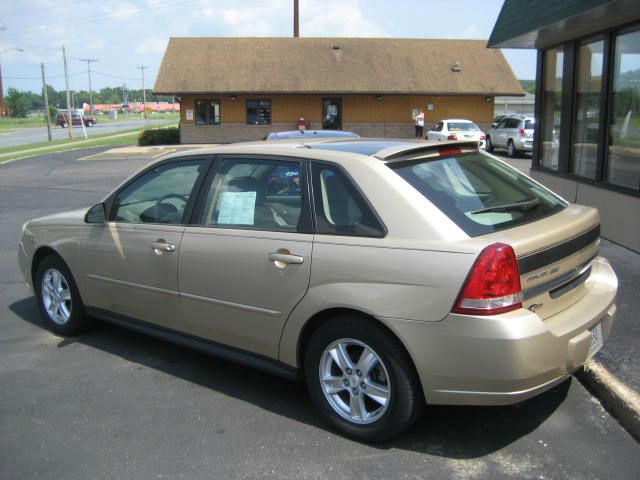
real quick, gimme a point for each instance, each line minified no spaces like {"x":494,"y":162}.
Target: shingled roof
{"x":334,"y":66}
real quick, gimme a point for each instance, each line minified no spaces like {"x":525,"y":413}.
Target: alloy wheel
{"x":354,"y":381}
{"x":56,"y":296}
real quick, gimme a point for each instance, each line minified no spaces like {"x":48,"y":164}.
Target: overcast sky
{"x":123,"y":35}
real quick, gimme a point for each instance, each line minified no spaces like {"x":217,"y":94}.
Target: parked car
{"x":310,"y":134}
{"x":514,"y":133}
{"x":496,"y":120}
{"x":456,"y":129}
{"x":401,"y":273}
{"x":62,"y":119}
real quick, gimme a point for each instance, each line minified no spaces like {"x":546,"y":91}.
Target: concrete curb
{"x":622,"y":401}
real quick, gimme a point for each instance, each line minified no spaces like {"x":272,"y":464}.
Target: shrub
{"x":159,"y":136}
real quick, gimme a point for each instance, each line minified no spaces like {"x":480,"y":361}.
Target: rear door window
{"x":340,"y":209}
{"x":480,"y":194}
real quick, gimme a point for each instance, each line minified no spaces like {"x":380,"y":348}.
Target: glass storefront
{"x":623,"y":159}
{"x":601,"y":117}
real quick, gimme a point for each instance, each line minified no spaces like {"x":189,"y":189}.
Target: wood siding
{"x":355,"y":108}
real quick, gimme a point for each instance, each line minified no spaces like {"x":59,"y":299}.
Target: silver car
{"x":388,"y":274}
{"x":513,"y":133}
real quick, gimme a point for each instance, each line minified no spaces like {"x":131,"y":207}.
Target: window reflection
{"x":552,"y":106}
{"x":587,"y":120}
{"x":623,"y":166}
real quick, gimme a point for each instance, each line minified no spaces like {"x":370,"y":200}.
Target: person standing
{"x":419,"y":122}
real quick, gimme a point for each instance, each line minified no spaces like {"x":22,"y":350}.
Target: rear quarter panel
{"x":402,"y":283}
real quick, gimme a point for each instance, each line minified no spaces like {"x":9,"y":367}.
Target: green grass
{"x":138,"y":116}
{"x":39,"y":121}
{"x":127,"y":137}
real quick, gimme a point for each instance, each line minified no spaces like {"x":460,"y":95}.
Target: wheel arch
{"x":320,"y":318}
{"x":45,"y":251}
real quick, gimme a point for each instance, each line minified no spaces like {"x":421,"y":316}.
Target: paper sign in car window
{"x":237,"y":208}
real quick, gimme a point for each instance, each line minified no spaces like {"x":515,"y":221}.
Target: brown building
{"x":235,"y":89}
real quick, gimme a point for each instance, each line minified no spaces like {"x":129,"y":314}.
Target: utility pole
{"x":144,"y":94}
{"x":89,"y":61}
{"x":46,"y":102}
{"x":296,"y":21}
{"x":66,"y":81}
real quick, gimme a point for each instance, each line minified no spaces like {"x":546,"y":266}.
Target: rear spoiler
{"x":435,"y":149}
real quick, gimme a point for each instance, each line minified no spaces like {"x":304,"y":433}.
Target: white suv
{"x":514,"y":133}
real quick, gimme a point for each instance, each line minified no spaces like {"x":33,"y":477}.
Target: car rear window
{"x":480,"y":194}
{"x":462,"y":127}
{"x":528,"y":124}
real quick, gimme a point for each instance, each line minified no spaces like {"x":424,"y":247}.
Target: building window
{"x":623,"y":165}
{"x":258,"y":112}
{"x":552,"y":106}
{"x":589,"y":75}
{"x":207,"y":112}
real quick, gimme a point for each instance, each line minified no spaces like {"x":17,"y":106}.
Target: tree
{"x":18,"y":103}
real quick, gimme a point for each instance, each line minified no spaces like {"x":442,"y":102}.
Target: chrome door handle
{"x":285,"y":258}
{"x":161,"y":246}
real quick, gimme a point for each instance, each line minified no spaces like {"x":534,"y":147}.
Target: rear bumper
{"x":524,"y":144}
{"x":508,"y":358}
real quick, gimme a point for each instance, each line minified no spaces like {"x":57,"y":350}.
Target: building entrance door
{"x":332,"y":114}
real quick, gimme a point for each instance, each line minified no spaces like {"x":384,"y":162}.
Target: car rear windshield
{"x":528,"y":124}
{"x":480,"y":194}
{"x":462,"y":127}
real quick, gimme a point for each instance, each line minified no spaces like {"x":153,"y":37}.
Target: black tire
{"x":405,"y":401}
{"x":77,"y":320}
{"x":488,"y":146}
{"x":89,"y":124}
{"x":512,"y":152}
{"x":64,"y":125}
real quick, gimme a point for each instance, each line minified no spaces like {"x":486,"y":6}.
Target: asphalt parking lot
{"x":115,"y":404}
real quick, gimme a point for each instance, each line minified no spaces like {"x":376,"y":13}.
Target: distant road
{"x":25,"y":135}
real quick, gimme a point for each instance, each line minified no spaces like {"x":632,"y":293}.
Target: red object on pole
{"x":301,"y":125}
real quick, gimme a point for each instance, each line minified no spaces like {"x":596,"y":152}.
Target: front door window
{"x":332,"y":114}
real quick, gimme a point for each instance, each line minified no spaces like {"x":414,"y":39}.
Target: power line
{"x":38,"y":10}
{"x":38,"y":78}
{"x":95,"y":18}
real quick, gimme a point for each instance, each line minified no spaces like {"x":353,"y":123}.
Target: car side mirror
{"x":96,"y":214}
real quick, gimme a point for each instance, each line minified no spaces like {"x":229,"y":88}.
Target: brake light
{"x":444,"y":151}
{"x":521,"y":132}
{"x":483,"y":137}
{"x":452,"y":137}
{"x":493,"y":285}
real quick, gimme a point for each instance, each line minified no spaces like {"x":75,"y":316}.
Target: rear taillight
{"x":493,"y":285}
{"x":452,"y":137}
{"x":521,"y":132}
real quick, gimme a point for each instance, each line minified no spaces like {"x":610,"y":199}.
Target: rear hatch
{"x":554,"y":242}
{"x":554,"y":257}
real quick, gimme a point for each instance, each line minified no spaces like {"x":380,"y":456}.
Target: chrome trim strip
{"x":162,"y":291}
{"x":542,"y":386}
{"x":197,"y":298}
{"x":238,"y":306}
{"x":572,"y":274}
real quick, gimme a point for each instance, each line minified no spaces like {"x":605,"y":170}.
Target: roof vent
{"x":335,"y":47}
{"x":456,"y":67}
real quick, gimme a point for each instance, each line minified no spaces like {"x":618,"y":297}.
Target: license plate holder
{"x":596,"y":339}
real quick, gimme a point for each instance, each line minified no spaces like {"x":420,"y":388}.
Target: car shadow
{"x":447,"y":431}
